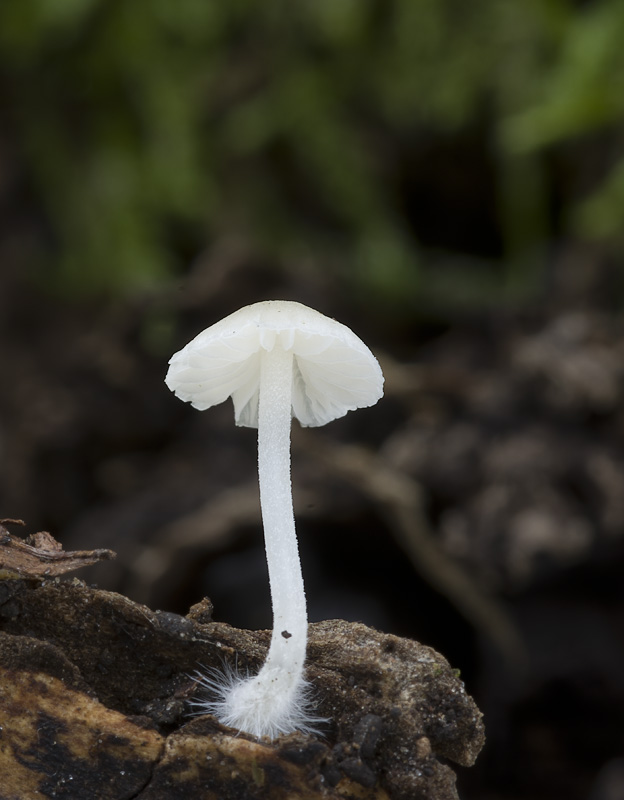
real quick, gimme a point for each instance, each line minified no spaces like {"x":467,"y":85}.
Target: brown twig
{"x":40,"y":555}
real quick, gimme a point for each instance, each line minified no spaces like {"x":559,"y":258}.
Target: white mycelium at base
{"x":240,"y":702}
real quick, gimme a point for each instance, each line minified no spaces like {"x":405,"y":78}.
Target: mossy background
{"x":378,"y":138}
{"x":445,"y":177}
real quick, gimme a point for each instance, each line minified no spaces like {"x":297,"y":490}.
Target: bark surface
{"x":95,"y":700}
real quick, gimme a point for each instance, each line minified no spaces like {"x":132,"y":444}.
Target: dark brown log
{"x":95,"y":691}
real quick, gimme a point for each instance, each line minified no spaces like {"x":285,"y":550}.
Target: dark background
{"x":445,"y":178}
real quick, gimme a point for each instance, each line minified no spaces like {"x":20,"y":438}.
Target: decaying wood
{"x":57,"y":739}
{"x":95,"y":697}
{"x":40,"y":555}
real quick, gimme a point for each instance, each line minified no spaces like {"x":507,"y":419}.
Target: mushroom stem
{"x":290,"y":620}
{"x":274,"y":701}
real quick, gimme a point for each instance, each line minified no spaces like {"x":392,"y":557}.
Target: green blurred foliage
{"x":143,"y":123}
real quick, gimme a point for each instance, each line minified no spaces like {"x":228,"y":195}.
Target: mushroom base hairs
{"x":257,"y":705}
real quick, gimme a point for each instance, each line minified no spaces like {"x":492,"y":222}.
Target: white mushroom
{"x":277,"y":360}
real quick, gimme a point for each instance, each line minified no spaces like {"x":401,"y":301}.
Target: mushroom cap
{"x":333,"y":370}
